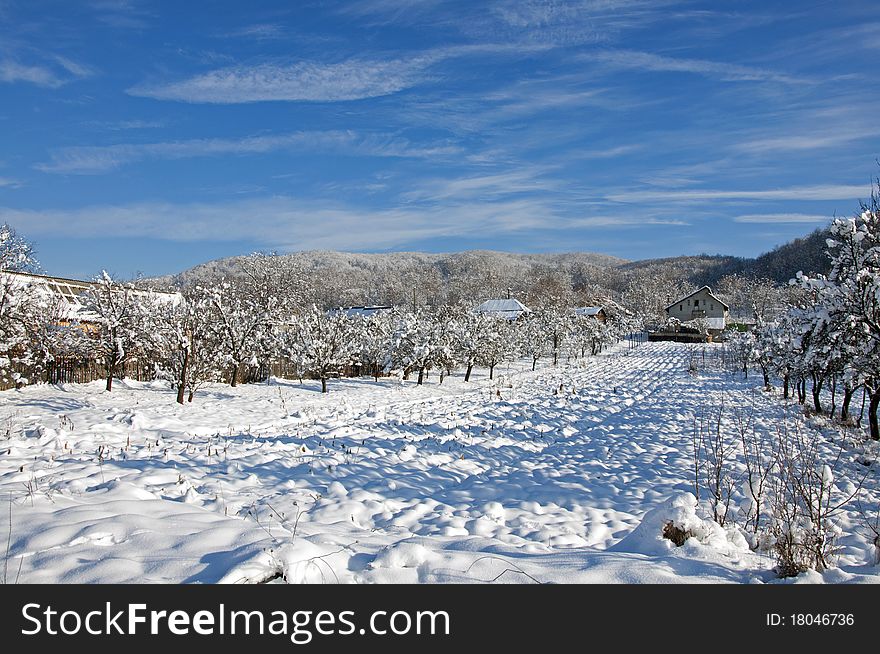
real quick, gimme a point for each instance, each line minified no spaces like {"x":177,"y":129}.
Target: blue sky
{"x":147,"y":136}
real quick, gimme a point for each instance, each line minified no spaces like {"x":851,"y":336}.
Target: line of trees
{"x":826,"y":343}
{"x":241,"y":325}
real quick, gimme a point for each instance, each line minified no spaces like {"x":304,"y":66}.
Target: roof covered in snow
{"x":588,"y":311}
{"x":509,"y":308}
{"x":350,"y":312}
{"x":71,"y":293}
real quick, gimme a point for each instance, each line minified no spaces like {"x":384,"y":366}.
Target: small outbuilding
{"x":592,"y":312}
{"x":510,"y":308}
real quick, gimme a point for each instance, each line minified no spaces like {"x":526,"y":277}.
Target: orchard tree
{"x":20,"y":302}
{"x":118,"y":310}
{"x":321,"y":343}
{"x":187,"y":330}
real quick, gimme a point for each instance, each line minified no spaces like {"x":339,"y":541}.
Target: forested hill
{"x":782,"y":263}
{"x":357,"y":278}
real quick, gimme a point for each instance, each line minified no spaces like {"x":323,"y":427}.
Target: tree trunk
{"x":766,"y":375}
{"x":467,"y":374}
{"x":421,"y":375}
{"x":181,"y":383}
{"x":190,"y":398}
{"x":847,"y":398}
{"x":872,"y":413}
{"x":833,"y":395}
{"x":817,"y":389}
{"x":492,"y":371}
{"x":534,"y":363}
{"x":111,"y":369}
{"x":234,"y":381}
{"x":323,"y":384}
{"x":785,"y":381}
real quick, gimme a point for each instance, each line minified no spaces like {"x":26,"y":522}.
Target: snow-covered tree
{"x":320,"y":343}
{"x":19,"y":302}
{"x":373,"y":341}
{"x":187,"y":335}
{"x":118,"y":310}
{"x":531,"y":337}
{"x":499,"y":344}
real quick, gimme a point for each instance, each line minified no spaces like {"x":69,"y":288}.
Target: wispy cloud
{"x":577,"y":21}
{"x":287,"y":223}
{"x":826,"y":138}
{"x":11,"y":71}
{"x":123,"y":14}
{"x":483,"y":187}
{"x":727,"y":72}
{"x":781,"y":218}
{"x":302,"y":81}
{"x":259,"y":32}
{"x":6,"y":182}
{"x":57,"y":72}
{"x":625,"y":221}
{"x":102,"y":159}
{"x":78,"y":70}
{"x":818,"y":192}
{"x":388,"y":10}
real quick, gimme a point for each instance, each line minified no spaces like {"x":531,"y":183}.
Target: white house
{"x":701,"y":304}
{"x":509,"y":308}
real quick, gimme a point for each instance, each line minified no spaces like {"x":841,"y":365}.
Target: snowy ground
{"x":559,"y":475}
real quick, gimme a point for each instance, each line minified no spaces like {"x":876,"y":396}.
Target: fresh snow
{"x":565,"y":474}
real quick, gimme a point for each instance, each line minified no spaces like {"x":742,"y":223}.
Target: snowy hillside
{"x":567,"y":474}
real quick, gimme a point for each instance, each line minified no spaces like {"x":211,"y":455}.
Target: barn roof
{"x":350,"y":312}
{"x":70,"y":292}
{"x":699,"y":290}
{"x":589,"y":311}
{"x":509,"y":308}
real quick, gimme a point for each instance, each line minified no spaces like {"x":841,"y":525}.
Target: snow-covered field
{"x":561,"y":475}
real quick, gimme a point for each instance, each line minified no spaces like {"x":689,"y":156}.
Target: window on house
{"x":712,"y":306}
{"x":696,"y":303}
{"x":680,"y":308}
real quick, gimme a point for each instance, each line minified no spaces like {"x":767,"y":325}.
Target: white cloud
{"x":6,"y":182}
{"x":647,"y":61}
{"x":102,"y":159}
{"x":289,"y":223}
{"x":482,"y":187}
{"x":76,"y":69}
{"x":819,"y":192}
{"x":285,"y":222}
{"x":781,"y":218}
{"x":824,"y":138}
{"x":624,"y":221}
{"x":260,"y":32}
{"x":302,"y":81}
{"x":577,"y":21}
{"x":11,"y":71}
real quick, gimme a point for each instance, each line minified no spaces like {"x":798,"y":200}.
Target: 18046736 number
{"x":821,"y":619}
{"x":810,"y":620}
